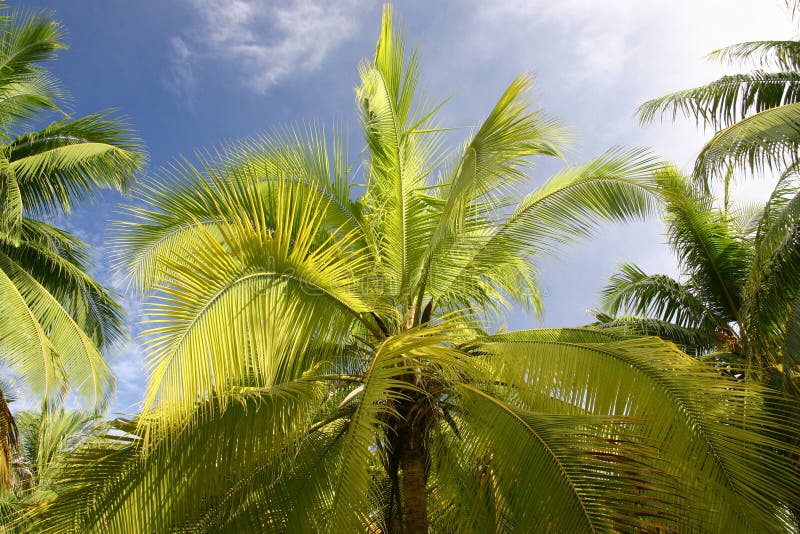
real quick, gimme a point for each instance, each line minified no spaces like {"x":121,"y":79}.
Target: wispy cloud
{"x":263,"y":41}
{"x":180,"y":79}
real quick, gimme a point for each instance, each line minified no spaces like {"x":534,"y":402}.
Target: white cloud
{"x":181,"y":76}
{"x":263,"y":41}
{"x":595,"y":61}
{"x":128,"y":368}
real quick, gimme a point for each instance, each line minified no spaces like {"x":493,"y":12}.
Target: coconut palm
{"x":319,"y":357}
{"x":739,"y":299}
{"x":45,"y":438}
{"x":756,"y":116}
{"x":56,"y":319}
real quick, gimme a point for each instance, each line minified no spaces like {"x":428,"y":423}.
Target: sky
{"x":194,"y":74}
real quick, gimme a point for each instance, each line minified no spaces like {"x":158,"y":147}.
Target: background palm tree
{"x":45,"y":439}
{"x":739,"y":300}
{"x":319,"y":356}
{"x":756,"y":115}
{"x":56,"y":319}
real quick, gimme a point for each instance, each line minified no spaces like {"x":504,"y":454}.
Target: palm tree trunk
{"x":413,"y":479}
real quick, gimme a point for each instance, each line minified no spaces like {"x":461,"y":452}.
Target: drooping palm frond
{"x":791,"y":346}
{"x":766,"y":141}
{"x":195,"y":471}
{"x":554,"y":377}
{"x":727,"y":100}
{"x":784,"y":54}
{"x":60,"y":357}
{"x":60,"y":262}
{"x":693,"y":341}
{"x":631,"y":290}
{"x":707,"y":247}
{"x":772,"y":285}
{"x":754,"y":114}
{"x":68,"y":160}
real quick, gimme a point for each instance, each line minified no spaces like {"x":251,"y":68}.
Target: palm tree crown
{"x":319,"y":359}
{"x":55,"y":318}
{"x":740,"y":298}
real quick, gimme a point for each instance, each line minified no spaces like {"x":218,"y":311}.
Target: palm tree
{"x":319,"y":359}
{"x":756,"y":116}
{"x":740,"y":300}
{"x":45,"y":438}
{"x":56,"y":319}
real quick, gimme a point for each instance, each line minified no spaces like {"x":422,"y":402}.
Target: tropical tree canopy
{"x":56,"y":319}
{"x":740,"y":300}
{"x":755,"y":116}
{"x":319,"y":353}
{"x":45,"y":439}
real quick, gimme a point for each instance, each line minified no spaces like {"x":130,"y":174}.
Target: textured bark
{"x":413,"y":477}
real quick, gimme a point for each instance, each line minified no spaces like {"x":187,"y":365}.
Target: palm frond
{"x":630,"y":290}
{"x":571,"y":471}
{"x":9,"y":443}
{"x":60,"y":262}
{"x":230,"y":293}
{"x":193,"y":470}
{"x":784,"y":54}
{"x":68,"y":160}
{"x":695,"y":341}
{"x":707,"y":246}
{"x":772,"y":285}
{"x":58,"y":356}
{"x":728,"y":100}
{"x":402,"y":154}
{"x":765,"y":141}
{"x":28,"y":39}
{"x":686,"y":410}
{"x":614,"y":187}
{"x":492,"y":165}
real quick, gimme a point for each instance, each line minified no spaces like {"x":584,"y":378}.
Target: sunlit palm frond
{"x":257,"y":272}
{"x":46,"y":438}
{"x":58,"y":356}
{"x":28,"y":39}
{"x":191,"y":472}
{"x":310,"y":158}
{"x":404,"y":150}
{"x":491,"y":167}
{"x":24,"y":99}
{"x":688,"y":420}
{"x":570,"y":206}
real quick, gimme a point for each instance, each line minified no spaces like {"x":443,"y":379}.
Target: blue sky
{"x":193,"y":74}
